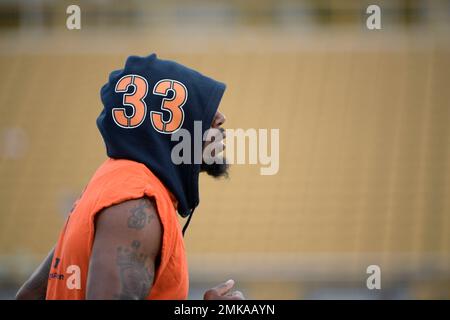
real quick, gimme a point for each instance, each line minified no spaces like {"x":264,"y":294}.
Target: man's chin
{"x":216,"y":170}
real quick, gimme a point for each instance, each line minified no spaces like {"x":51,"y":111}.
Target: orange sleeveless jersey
{"x":114,"y":182}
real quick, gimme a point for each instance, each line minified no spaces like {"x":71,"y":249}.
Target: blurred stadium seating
{"x":364,"y":137}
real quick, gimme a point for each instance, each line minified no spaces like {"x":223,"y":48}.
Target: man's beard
{"x":219,"y":167}
{"x":216,"y":170}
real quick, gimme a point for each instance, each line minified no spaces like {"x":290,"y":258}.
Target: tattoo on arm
{"x":140,"y":215}
{"x":135,"y":278}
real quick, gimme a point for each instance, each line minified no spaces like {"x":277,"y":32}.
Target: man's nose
{"x":219,"y":119}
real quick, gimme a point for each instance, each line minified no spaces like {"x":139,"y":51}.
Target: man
{"x":122,"y":239}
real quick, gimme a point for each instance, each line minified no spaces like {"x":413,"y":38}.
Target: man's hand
{"x":223,"y":292}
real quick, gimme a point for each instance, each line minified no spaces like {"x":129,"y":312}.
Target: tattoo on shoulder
{"x":135,"y":278}
{"x":140,"y":215}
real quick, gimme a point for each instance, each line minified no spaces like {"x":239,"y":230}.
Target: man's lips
{"x":214,"y":136}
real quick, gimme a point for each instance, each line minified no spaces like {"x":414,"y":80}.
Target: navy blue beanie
{"x":140,"y":140}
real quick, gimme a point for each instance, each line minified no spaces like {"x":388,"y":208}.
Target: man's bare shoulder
{"x":134,"y":219}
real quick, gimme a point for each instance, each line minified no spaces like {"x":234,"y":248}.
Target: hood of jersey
{"x":145,"y":103}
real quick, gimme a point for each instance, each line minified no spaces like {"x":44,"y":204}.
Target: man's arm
{"x":127,"y":243}
{"x":35,"y":288}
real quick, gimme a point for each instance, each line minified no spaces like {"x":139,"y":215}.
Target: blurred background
{"x":363,"y":115}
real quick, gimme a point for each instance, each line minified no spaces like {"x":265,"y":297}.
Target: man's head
{"x":214,"y":142}
{"x":149,"y":103}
